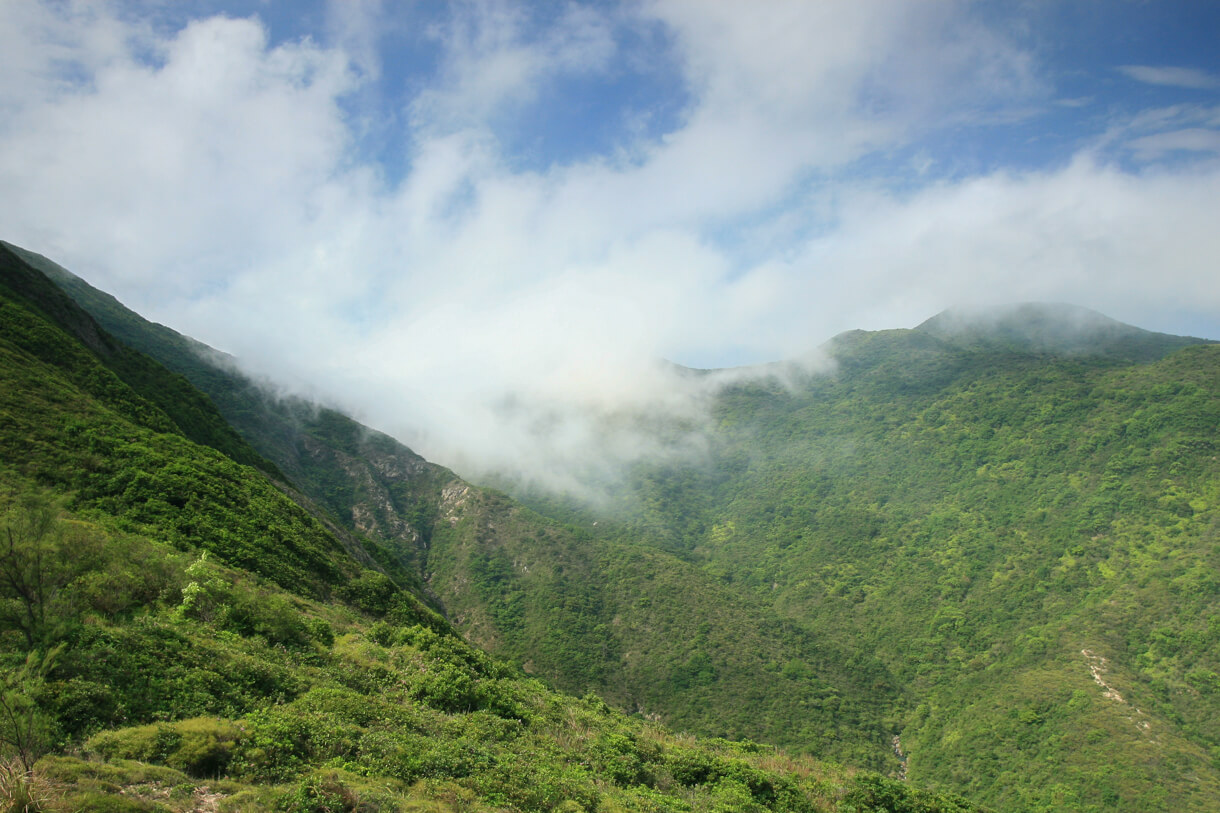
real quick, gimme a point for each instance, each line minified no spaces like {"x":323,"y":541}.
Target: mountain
{"x":980,"y":553}
{"x":1018,"y":517}
{"x":1051,"y":329}
{"x":1015,"y":512}
{"x":646,"y":630}
{"x":183,"y":631}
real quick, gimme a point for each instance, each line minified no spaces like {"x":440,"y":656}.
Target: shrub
{"x":321,"y":793}
{"x":201,"y":747}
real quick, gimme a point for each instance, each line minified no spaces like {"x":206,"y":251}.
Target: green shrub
{"x":371,"y":591}
{"x":201,"y":747}
{"x":321,"y":793}
{"x":96,"y":802}
{"x":447,"y":688}
{"x":320,"y":631}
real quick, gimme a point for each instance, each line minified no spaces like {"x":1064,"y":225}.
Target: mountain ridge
{"x":971,"y":541}
{"x":458,"y":550}
{"x":176,"y":634}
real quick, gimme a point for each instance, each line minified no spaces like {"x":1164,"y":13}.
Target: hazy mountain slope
{"x":1052,"y":329}
{"x":1023,"y":537}
{"x":138,"y":674}
{"x":980,"y":533}
{"x":646,"y":630}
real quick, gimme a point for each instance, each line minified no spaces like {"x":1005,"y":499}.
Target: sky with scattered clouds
{"x":445,"y":216}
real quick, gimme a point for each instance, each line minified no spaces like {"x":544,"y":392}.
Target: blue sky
{"x":425,"y":211}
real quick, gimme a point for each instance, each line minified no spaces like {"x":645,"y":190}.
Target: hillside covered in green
{"x":1009,"y":518}
{"x":1024,"y":527}
{"x":650,"y":632}
{"x":181,"y":629}
{"x":980,"y":553}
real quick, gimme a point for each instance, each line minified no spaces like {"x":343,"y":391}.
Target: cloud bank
{"x":403,"y":244}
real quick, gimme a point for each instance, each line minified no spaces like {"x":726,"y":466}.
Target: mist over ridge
{"x":482,"y":220}
{"x":711,"y":358}
{"x":581,"y":433}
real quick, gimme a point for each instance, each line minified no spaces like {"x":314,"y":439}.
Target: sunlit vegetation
{"x":650,"y":632}
{"x":1029,"y":542}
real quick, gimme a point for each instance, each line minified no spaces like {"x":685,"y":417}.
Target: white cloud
{"x":210,"y":178}
{"x":1156,"y":133}
{"x":1171,"y":76}
{"x":1134,"y":246}
{"x":357,"y":26}
{"x":1193,"y":139}
{"x":496,"y":60}
{"x":212,"y":160}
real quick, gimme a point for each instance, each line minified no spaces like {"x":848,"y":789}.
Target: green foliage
{"x":150,"y":390}
{"x":25,"y":729}
{"x":557,"y":618}
{"x":200,"y":747}
{"x":1021,"y":538}
{"x":324,"y":793}
{"x":37,"y":563}
{"x":1003,"y":551}
{"x":870,"y":792}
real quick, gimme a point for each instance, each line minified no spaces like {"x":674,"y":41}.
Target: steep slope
{"x":177,"y":634}
{"x":993,"y":535}
{"x":171,"y":394}
{"x":648,"y":631}
{"x":654,"y":635}
{"x":75,"y":426}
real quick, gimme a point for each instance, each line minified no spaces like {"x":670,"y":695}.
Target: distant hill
{"x":1052,"y":329}
{"x":1017,"y":512}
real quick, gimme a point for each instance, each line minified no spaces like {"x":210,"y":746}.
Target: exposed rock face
{"x":453,"y":499}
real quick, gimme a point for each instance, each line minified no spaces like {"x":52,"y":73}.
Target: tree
{"x":24,"y":730}
{"x":39,"y":557}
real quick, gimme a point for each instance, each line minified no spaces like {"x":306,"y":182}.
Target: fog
{"x":417,"y":260}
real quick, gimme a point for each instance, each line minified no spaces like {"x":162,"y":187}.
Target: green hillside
{"x":178,"y":632}
{"x":649,"y":632}
{"x":980,"y":553}
{"x":1026,"y":533}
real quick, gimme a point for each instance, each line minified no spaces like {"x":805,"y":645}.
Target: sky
{"x":473,"y":224}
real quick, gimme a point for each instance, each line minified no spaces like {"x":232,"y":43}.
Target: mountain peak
{"x":1050,"y":328}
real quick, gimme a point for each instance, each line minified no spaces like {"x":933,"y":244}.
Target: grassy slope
{"x":22,"y":276}
{"x":278,"y":673}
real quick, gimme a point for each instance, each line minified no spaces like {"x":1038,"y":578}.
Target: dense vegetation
{"x":179,"y":632}
{"x":649,"y":632}
{"x":988,"y":545}
{"x":1021,"y":524}
{"x":1026,"y":536}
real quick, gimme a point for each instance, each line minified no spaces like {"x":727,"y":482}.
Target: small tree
{"x":26,"y":550}
{"x":24,"y":730}
{"x":39,"y":557}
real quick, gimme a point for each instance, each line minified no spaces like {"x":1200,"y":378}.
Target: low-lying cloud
{"x":481,"y":302}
